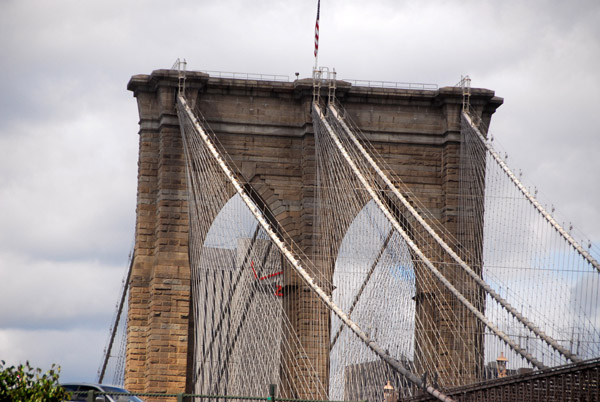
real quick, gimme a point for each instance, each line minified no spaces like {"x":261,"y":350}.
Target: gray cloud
{"x":68,"y":126}
{"x":75,"y":350}
{"x":69,"y":187}
{"x":45,"y":294}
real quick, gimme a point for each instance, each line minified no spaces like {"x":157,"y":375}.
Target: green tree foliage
{"x":27,"y":384}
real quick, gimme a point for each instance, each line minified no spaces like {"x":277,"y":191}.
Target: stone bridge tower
{"x":266,"y":127}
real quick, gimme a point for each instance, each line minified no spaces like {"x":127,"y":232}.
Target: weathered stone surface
{"x":266,"y":127}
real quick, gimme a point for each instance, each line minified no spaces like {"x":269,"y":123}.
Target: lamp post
{"x":388,"y":392}
{"x":501,"y":365}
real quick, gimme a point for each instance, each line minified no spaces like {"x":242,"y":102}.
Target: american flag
{"x":317,"y":29}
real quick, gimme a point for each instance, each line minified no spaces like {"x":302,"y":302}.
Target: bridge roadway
{"x":574,"y":382}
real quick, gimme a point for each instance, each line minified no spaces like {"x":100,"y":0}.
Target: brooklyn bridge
{"x":344,"y":240}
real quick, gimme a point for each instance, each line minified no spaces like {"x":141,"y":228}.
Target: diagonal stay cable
{"x":226,"y":311}
{"x":530,"y":358}
{"x":504,"y":303}
{"x":117,"y":319}
{"x":294,"y":261}
{"x":364,"y":285}
{"x":249,"y":300}
{"x":532,"y":200}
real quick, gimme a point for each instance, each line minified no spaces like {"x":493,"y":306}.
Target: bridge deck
{"x":573,"y":382}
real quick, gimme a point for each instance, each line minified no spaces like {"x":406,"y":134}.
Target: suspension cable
{"x":530,"y":358}
{"x":296,"y":264}
{"x":532,"y":200}
{"x":504,"y":303}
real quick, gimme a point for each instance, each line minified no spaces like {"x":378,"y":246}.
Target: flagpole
{"x":317,"y":36}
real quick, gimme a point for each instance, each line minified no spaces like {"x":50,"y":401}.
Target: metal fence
{"x":391,"y":84}
{"x":247,"y":76}
{"x":96,"y":396}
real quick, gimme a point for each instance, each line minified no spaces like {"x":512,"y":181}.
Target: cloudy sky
{"x":68,"y":126}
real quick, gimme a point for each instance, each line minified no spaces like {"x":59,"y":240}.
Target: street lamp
{"x":388,"y":392}
{"x":501,"y":365}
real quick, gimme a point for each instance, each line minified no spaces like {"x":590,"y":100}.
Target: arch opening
{"x":373,"y":282}
{"x":236,"y":282}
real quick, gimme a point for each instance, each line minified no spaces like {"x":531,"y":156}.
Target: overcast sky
{"x":68,"y":126}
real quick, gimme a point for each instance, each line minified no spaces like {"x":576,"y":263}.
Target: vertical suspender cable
{"x":549,"y":340}
{"x":296,"y":264}
{"x":420,"y":254}
{"x":591,"y":260}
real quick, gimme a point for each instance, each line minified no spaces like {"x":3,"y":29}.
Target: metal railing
{"x":97,"y":396}
{"x":247,"y":76}
{"x":391,"y":84}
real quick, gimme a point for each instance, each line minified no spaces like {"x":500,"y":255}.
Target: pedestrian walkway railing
{"x":97,"y":396}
